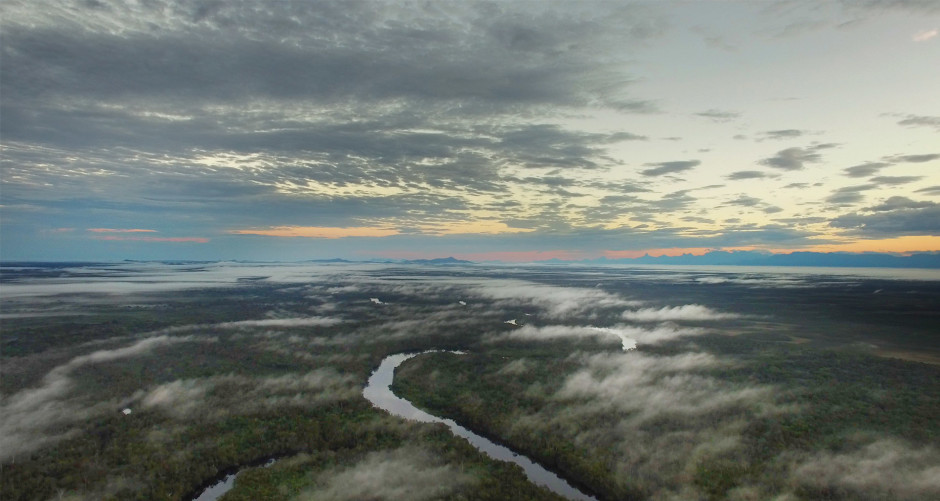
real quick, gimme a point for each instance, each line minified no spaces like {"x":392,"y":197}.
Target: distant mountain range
{"x":714,"y":258}
{"x":753,"y":258}
{"x":435,"y":261}
{"x":728,"y":258}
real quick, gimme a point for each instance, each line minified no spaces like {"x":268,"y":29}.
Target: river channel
{"x":379,"y":392}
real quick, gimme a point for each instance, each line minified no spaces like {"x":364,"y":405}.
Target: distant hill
{"x":435,"y":261}
{"x":438,"y":261}
{"x":753,"y":258}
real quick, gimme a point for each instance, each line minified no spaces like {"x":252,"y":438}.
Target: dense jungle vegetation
{"x":767,"y":392}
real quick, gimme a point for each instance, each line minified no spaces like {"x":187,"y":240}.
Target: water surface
{"x":379,"y":392}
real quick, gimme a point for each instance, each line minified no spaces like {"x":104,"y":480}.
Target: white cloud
{"x":192,"y":397}
{"x":883,"y":469}
{"x":651,"y":419}
{"x":404,"y":474}
{"x":688,"y":312}
{"x":629,"y":336}
{"x":281,"y":322}
{"x":556,"y":301}
{"x":25,"y":416}
{"x":924,"y":35}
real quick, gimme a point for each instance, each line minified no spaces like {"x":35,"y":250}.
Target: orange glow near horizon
{"x":320,"y":232}
{"x":120,"y":230}
{"x":898,"y":245}
{"x":506,"y":256}
{"x":198,"y":240}
{"x":673,"y":251}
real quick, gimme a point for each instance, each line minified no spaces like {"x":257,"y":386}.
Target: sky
{"x":517,"y":131}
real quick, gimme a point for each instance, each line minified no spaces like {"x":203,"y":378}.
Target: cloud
{"x":864,"y":170}
{"x":849,"y":194}
{"x":888,"y":223}
{"x":280,"y":322}
{"x":921,"y":121}
{"x":480,"y":227}
{"x":895,"y":180}
{"x":112,"y":230}
{"x":198,"y":240}
{"x":630,"y":336}
{"x":795,"y":158}
{"x":895,"y":203}
{"x":784,"y":133}
{"x":648,"y":386}
{"x":930,"y":190}
{"x":612,"y":401}
{"x":556,"y":301}
{"x":747,"y":174}
{"x":325,"y":57}
{"x":745,"y":201}
{"x":719,"y":115}
{"x":929,"y":157}
{"x":319,"y":232}
{"x":924,"y":35}
{"x":216,"y":397}
{"x":662,"y":168}
{"x":886,"y":468}
{"x":35,"y":417}
{"x":686,"y":312}
{"x":241,"y":119}
{"x":403,"y":474}
{"x":529,"y":332}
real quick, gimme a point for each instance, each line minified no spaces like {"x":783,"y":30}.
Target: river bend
{"x":379,"y":392}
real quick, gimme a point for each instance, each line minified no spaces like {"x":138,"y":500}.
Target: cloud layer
{"x":163,"y":130}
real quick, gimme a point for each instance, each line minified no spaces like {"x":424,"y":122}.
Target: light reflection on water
{"x":216,"y":490}
{"x":379,"y":392}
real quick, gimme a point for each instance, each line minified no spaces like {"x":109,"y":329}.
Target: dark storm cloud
{"x":864,"y":170}
{"x":661,"y":168}
{"x":921,"y":121}
{"x":719,"y":115}
{"x":796,"y":158}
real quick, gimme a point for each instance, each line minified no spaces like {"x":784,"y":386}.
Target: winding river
{"x":379,"y":392}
